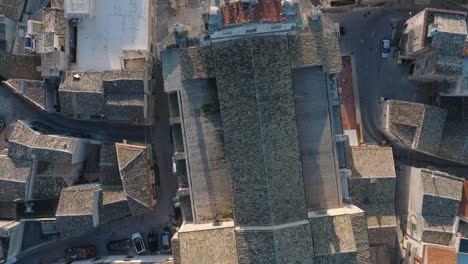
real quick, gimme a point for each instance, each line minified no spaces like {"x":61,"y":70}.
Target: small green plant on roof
{"x":211,"y":108}
{"x":224,"y":216}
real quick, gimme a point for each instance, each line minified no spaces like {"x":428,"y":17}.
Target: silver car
{"x":385,"y":48}
{"x":138,"y":242}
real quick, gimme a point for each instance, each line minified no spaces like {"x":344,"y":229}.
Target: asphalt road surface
{"x":364,"y":30}
{"x":14,"y":107}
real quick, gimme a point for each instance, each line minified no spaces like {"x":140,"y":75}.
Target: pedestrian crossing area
{"x":5,"y":105}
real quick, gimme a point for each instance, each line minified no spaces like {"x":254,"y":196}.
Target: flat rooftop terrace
{"x":116,"y":25}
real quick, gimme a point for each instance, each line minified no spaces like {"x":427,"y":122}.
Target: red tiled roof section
{"x":464,"y":201}
{"x":269,"y":11}
{"x":440,"y":255}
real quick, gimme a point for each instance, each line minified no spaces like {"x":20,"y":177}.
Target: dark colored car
{"x":79,"y":253}
{"x":152,"y":239}
{"x":177,"y":209}
{"x":165,"y":241}
{"x":119,"y":245}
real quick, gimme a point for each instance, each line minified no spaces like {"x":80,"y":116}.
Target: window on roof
{"x":276,"y":27}
{"x":228,"y":32}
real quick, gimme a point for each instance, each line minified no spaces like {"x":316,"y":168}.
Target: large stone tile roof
{"x":336,"y":231}
{"x":113,"y":194}
{"x":417,"y":125}
{"x":379,"y":215}
{"x":78,"y":200}
{"x":438,"y":230}
{"x":116,"y":94}
{"x":368,"y":190}
{"x":449,"y":42}
{"x":77,"y":206}
{"x":135,"y":174}
{"x":214,"y":245}
{"x":114,"y":204}
{"x":373,"y":162}
{"x":95,"y":81}
{"x":25,"y":142}
{"x":441,"y":185}
{"x":13,"y":177}
{"x":318,"y":45}
{"x":260,"y":130}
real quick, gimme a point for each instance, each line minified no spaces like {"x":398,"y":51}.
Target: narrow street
{"x":123,"y":228}
{"x":14,"y":107}
{"x":376,"y":77}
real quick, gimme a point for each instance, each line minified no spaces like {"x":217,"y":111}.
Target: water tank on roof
{"x":34,"y":27}
{"x":434,"y":32}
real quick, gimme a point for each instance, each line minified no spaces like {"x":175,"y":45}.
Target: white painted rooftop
{"x":116,"y":25}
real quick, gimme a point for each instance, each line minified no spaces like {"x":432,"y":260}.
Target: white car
{"x":385,"y":48}
{"x":174,"y":166}
{"x":138,"y":242}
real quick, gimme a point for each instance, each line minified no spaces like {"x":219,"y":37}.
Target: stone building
{"x":78,"y":211}
{"x":427,"y":205}
{"x":372,"y":188}
{"x":114,"y":203}
{"x":117,"y":95}
{"x":98,"y":78}
{"x":435,"y":39}
{"x":427,"y":129}
{"x":257,"y":120}
{"x":28,"y":144}
{"x":14,"y":175}
{"x":56,"y":161}
{"x":135,"y":166}
{"x":415,"y":125}
{"x":12,"y":9}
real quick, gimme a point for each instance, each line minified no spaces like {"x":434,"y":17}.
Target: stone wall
{"x":175,"y":247}
{"x":359,"y":224}
{"x":204,"y":150}
{"x":20,"y":67}
{"x":53,"y":20}
{"x":186,"y":207}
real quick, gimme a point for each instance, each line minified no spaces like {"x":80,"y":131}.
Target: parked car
{"x":174,"y":166}
{"x":165,"y":240}
{"x":119,"y":245}
{"x":152,"y":239}
{"x":79,"y":253}
{"x":385,"y":48}
{"x":138,"y":243}
{"x":177,"y":209}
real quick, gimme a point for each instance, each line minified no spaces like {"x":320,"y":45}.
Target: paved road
{"x":14,"y":107}
{"x":376,"y":77}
